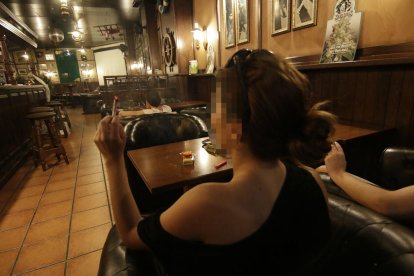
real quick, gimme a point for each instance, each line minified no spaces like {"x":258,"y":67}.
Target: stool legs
{"x":66,"y":117}
{"x":45,"y":145}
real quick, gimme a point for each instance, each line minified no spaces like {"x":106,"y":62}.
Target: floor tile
{"x":88,"y":240}
{"x":67,"y":168}
{"x":64,"y":175}
{"x":35,"y":180}
{"x":12,"y":238}
{"x":90,"y":202}
{"x":57,"y":196}
{"x":30,"y":191}
{"x":89,"y":179}
{"x":90,"y":218}
{"x":89,"y":170}
{"x":52,"y":211}
{"x":60,"y":185}
{"x":14,"y":220}
{"x":5,"y":195}
{"x":41,"y":254}
{"x":7,"y":260}
{"x":13,"y":183}
{"x":52,"y":270}
{"x":48,"y":229}
{"x":90,"y":163}
{"x":26,"y":203}
{"x":84,"y":265}
{"x":40,"y":172}
{"x":90,"y":189}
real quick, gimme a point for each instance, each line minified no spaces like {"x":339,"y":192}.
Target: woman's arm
{"x":398,"y":204}
{"x":110,"y":139}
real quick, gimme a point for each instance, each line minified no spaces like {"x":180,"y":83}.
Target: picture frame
{"x":281,"y":13}
{"x":229,"y":20}
{"x":304,"y":13}
{"x":22,"y":71}
{"x":242,"y":21}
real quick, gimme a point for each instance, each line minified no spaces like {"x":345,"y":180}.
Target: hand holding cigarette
{"x":114,"y":105}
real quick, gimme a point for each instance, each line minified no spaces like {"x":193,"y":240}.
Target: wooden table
{"x":174,"y":106}
{"x":161,"y":166}
{"x":346,"y":132}
{"x":186,"y":104}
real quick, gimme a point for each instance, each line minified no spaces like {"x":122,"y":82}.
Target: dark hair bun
{"x":315,"y":142}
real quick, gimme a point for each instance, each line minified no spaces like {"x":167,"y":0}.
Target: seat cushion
{"x":116,"y":259}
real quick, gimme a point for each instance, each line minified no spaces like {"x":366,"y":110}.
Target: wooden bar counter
{"x":15,"y":101}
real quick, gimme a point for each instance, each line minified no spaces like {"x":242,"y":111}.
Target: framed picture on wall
{"x":229,"y":32}
{"x":304,"y":13}
{"x":280,"y":16}
{"x":242,"y":21}
{"x":22,"y":71}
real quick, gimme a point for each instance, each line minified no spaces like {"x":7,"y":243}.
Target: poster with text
{"x":342,"y":33}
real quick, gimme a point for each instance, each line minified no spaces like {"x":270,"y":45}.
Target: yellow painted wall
{"x":384,"y":22}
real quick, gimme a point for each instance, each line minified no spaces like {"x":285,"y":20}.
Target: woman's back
{"x":297,"y":226}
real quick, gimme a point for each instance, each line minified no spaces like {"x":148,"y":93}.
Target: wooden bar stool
{"x":45,"y":145}
{"x":62,"y":110}
{"x":60,"y":117}
{"x":58,"y":120}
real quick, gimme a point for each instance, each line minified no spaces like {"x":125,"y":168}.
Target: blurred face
{"x":226,"y":127}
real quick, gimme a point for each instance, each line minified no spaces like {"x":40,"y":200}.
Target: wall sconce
{"x":87,"y":73}
{"x":199,"y":35}
{"x":25,"y":56}
{"x":50,"y":74}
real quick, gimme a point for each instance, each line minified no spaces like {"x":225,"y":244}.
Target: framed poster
{"x":304,"y":13}
{"x":342,"y":33}
{"x":280,"y":16}
{"x":242,"y":21}
{"x":229,"y":33}
{"x":22,"y":71}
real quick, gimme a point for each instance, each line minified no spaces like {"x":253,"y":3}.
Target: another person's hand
{"x":110,"y":138}
{"x":335,"y":160}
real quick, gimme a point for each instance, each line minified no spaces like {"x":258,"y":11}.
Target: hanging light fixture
{"x":56,"y":35}
{"x":64,"y":8}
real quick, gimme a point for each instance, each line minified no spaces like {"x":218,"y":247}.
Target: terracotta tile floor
{"x":56,"y":222}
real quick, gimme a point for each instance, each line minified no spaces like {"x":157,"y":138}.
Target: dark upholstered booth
{"x":363,"y":242}
{"x":151,"y":130}
{"x":397,"y":167}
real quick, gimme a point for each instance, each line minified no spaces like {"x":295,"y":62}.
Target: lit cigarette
{"x":220,"y":164}
{"x":114,"y":105}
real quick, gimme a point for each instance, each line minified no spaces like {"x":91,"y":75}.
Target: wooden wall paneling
{"x":393,"y":103}
{"x":370,"y":105}
{"x":406,"y":107}
{"x":184,"y":25}
{"x":154,"y":49}
{"x":344,"y":88}
{"x":360,"y":91}
{"x":315,"y":82}
{"x":350,"y":92}
{"x":200,"y":87}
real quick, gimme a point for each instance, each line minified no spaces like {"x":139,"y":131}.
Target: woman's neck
{"x":246,"y":165}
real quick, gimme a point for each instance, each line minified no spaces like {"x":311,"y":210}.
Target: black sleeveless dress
{"x":288,"y":243}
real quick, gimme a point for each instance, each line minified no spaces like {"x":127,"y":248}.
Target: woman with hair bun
{"x":271,"y":218}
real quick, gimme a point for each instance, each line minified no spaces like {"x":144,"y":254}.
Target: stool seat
{"x":40,"y":115}
{"x":40,"y":109}
{"x":43,"y":145}
{"x":62,"y":114}
{"x":53,"y":103}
